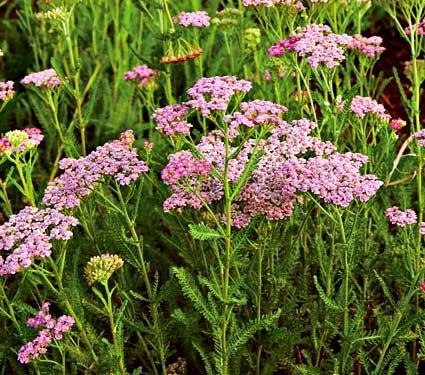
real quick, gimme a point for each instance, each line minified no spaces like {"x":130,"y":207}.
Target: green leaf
{"x":203,"y":232}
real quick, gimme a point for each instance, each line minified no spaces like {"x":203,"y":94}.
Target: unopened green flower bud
{"x":100,"y":268}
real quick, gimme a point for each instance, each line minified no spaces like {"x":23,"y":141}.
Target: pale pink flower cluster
{"x":420,"y":136}
{"x":20,"y":141}
{"x":319,"y":45}
{"x":214,"y":93}
{"x":269,"y":3}
{"x":397,"y":124}
{"x":422,"y":227}
{"x":281,"y":173}
{"x":420,"y":27}
{"x":171,"y":119}
{"x":6,"y":90}
{"x":117,"y":159}
{"x":142,"y":73}
{"x":256,"y":112}
{"x":361,"y":106}
{"x":45,"y":78}
{"x":399,"y":217}
{"x":367,"y":46}
{"x":29,"y":234}
{"x":195,"y":19}
{"x":54,"y":329}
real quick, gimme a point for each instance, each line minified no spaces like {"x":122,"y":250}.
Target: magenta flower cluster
{"x":399,"y":217}
{"x":195,"y":19}
{"x":171,"y":119}
{"x":319,"y":45}
{"x":420,"y":27}
{"x":360,"y":106}
{"x":54,"y":330}
{"x":281,"y":173}
{"x":117,"y":159}
{"x":45,"y":78}
{"x":29,"y":234}
{"x":142,"y":73}
{"x":6,"y":90}
{"x":420,"y":136}
{"x":256,"y":112}
{"x":269,"y":3}
{"x":214,"y":93}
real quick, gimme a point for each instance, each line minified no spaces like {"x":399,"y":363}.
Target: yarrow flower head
{"x":195,"y":19}
{"x":397,"y":124}
{"x":46,"y":78}
{"x":117,"y":159}
{"x":54,"y":330}
{"x":55,"y":14}
{"x":422,"y":286}
{"x":6,"y":91}
{"x":100,"y":268}
{"x":367,"y":46}
{"x":420,"y":136}
{"x":29,"y":234}
{"x":214,"y":93}
{"x":282,"y":171}
{"x":360,"y":106}
{"x":20,"y":141}
{"x":399,"y":217}
{"x":172,"y":119}
{"x":419,"y":27}
{"x":142,"y":73}
{"x":422,"y":228}
{"x":269,"y":3}
{"x":317,"y":43}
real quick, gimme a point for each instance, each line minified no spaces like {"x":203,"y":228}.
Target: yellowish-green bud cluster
{"x":100,"y":268}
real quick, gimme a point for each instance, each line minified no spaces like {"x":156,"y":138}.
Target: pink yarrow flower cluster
{"x":117,"y":159}
{"x":367,"y":46}
{"x":420,"y":27}
{"x":20,"y":141}
{"x":269,"y":3}
{"x":6,"y":90}
{"x":256,"y":112}
{"x":46,"y":78}
{"x":54,"y":330}
{"x":280,"y":174}
{"x":171,"y":119}
{"x":29,"y":234}
{"x":360,"y":106}
{"x":142,"y":73}
{"x":319,"y":45}
{"x":399,"y":217}
{"x":195,"y":19}
{"x":420,"y":136}
{"x":214,"y":93}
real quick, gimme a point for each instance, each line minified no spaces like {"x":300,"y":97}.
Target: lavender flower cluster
{"x":195,"y":19}
{"x":46,"y":78}
{"x":54,"y":330}
{"x":420,"y":27}
{"x":399,"y":217}
{"x":117,"y":159}
{"x":360,"y":106}
{"x":321,"y":46}
{"x":6,"y":90}
{"x":281,"y":173}
{"x":20,"y":141}
{"x":142,"y":73}
{"x":28,"y":235}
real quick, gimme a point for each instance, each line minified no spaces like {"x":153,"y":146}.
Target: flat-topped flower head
{"x":54,"y":329}
{"x":269,"y":3}
{"x":420,"y":137}
{"x":255,"y":113}
{"x":214,"y":93}
{"x":46,"y":78}
{"x":367,"y":46}
{"x":361,"y":106}
{"x":20,"y":141}
{"x":282,"y":172}
{"x":317,"y":43}
{"x":6,"y":91}
{"x":100,"y":268}
{"x":171,"y":119}
{"x":29,"y":234}
{"x":194,"y":19}
{"x":117,"y":159}
{"x":399,"y":217}
{"x":142,"y":73}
